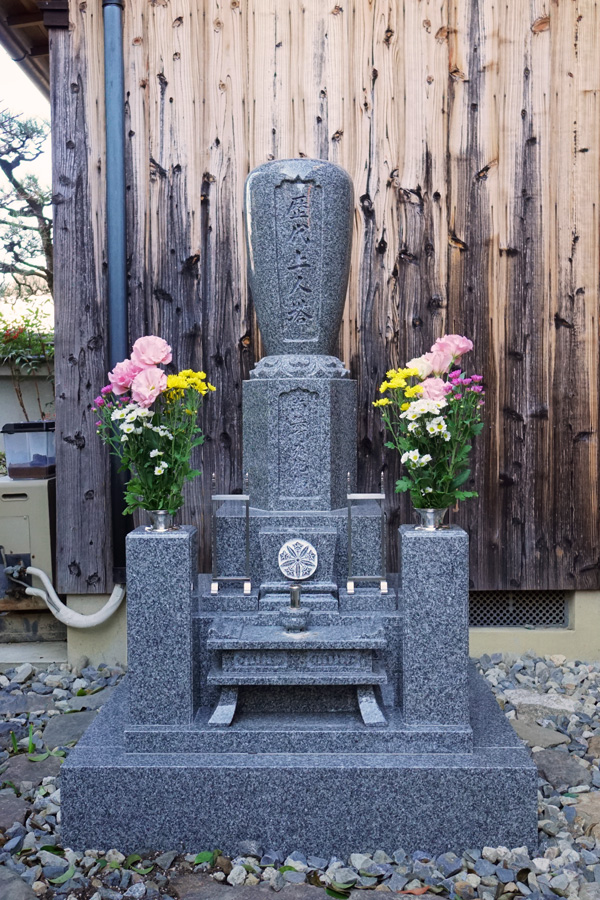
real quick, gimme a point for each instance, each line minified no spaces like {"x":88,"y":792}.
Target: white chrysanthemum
{"x":413,"y":426}
{"x":118,"y":414}
{"x":131,"y":416}
{"x":127,"y":427}
{"x":437,"y":425}
{"x":422,"y":407}
{"x":414,"y":457}
{"x":124,"y":439}
{"x":158,"y":470}
{"x":427,"y":490}
{"x":426,"y":458}
{"x":154,"y":453}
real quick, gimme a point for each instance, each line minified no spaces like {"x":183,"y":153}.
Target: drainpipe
{"x":118,"y":337}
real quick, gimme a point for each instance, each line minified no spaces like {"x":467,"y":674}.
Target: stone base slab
{"x":323,"y":802}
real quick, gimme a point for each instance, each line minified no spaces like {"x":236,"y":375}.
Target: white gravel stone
{"x":115,"y":856}
{"x":237,"y":875}
{"x":23,"y":673}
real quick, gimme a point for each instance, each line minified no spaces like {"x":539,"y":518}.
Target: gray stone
{"x":294,"y":877}
{"x":536,"y":736}
{"x":250,"y":848}
{"x":434,"y":590}
{"x":12,"y":808}
{"x":160,"y":583}
{"x":166,"y":860}
{"x":560,"y":769}
{"x":136,"y":891}
{"x":589,"y":892}
{"x":531,"y":705}
{"x":12,"y":886}
{"x":91,"y":701}
{"x":21,"y":768}
{"x":237,"y":875}
{"x":299,"y":215}
{"x":397,"y":882}
{"x":23,"y":673}
{"x":66,"y":729}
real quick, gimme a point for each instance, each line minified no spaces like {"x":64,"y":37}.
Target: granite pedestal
{"x":466,"y":781}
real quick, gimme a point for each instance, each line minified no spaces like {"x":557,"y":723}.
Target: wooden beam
{"x":24,"y":19}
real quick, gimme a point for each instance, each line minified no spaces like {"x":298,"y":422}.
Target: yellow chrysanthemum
{"x":404,"y":407}
{"x":414,"y":390}
{"x":383,"y":402}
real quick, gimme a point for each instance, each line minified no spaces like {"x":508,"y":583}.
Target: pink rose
{"x":455,"y":344}
{"x":147,"y":385}
{"x":439,"y":359}
{"x":122,"y":375}
{"x":150,"y":351}
{"x":434,"y":389}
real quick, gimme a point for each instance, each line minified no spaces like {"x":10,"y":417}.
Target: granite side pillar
{"x":434,"y":596}
{"x":161,"y":578}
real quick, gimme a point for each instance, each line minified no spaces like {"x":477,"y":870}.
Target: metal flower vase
{"x":161,"y":521}
{"x":430,"y":519}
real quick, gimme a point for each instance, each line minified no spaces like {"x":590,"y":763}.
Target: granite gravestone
{"x":352,"y":721}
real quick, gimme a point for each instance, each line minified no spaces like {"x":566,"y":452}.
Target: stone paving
{"x":552,"y":703}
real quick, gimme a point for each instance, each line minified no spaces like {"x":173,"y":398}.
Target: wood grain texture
{"x":84,"y":550}
{"x":471,"y":129}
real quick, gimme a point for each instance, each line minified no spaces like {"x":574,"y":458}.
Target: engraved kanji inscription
{"x":299,"y":217}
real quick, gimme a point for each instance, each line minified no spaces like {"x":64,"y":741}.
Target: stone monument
{"x":291,"y":696}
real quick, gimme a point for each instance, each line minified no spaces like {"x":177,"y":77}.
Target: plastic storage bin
{"x":30,"y":449}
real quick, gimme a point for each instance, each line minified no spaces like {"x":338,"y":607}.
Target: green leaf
{"x":81,"y":692}
{"x":402,"y":485}
{"x":338,"y":895}
{"x":64,"y":877}
{"x":141,"y":871}
{"x":283,"y":869}
{"x":460,"y":478}
{"x":341,"y":886}
{"x":131,"y":859}
{"x":207,"y":856}
{"x":102,"y":863}
{"x":114,"y":864}
{"x":14,"y":743}
{"x":58,"y":851}
{"x":40,"y":757}
{"x":465,"y":495}
{"x":30,"y":745}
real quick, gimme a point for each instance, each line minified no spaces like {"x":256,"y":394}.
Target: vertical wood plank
{"x":84,"y":547}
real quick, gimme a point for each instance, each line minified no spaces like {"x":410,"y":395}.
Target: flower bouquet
{"x":150,"y":422}
{"x":431,"y":411}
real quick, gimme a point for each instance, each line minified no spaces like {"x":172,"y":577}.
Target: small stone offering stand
{"x":293,"y":697}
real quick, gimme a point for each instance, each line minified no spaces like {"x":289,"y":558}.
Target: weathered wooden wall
{"x":471,"y":129}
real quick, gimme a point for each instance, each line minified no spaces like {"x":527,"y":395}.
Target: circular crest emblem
{"x":297,"y":560}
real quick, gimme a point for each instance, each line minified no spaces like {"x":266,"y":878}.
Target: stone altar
{"x":350,"y":722}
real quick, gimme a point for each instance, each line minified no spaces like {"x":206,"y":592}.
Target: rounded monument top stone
{"x":299,"y":216}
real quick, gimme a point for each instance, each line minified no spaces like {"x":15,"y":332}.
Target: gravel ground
{"x":551,"y":701}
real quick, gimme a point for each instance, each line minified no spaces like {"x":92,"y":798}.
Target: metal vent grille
{"x":514,"y":609}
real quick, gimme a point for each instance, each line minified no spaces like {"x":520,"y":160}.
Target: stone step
{"x":295,"y":677}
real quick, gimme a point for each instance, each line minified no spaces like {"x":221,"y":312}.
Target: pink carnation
{"x":150,"y":351}
{"x":434,"y":389}
{"x":147,"y":385}
{"x":122,"y":375}
{"x":107,"y":389}
{"x":440,"y":360}
{"x":454,"y":344}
